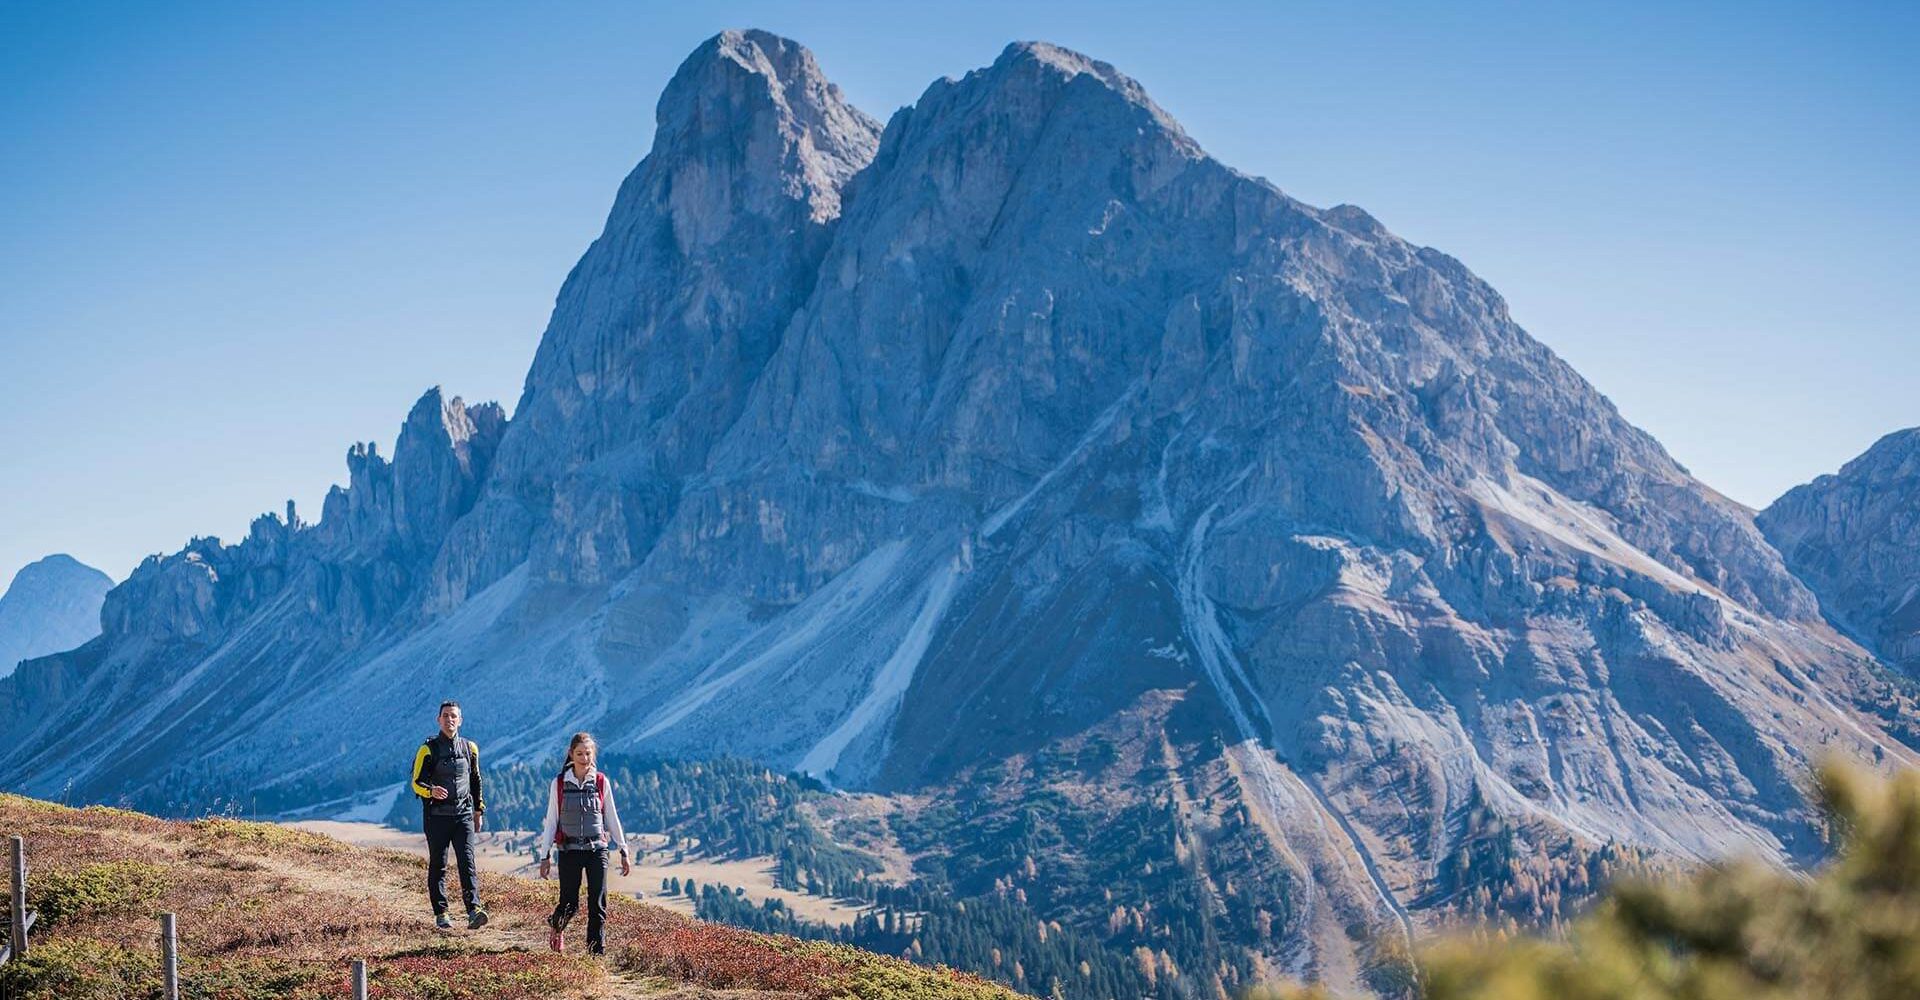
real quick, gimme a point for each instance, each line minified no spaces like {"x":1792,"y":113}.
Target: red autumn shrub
{"x":724,"y":958}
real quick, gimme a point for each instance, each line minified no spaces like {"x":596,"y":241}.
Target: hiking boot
{"x":557,"y":940}
{"x":440,"y":920}
{"x":476,"y":919}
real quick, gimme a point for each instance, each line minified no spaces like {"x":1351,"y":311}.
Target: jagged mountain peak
{"x":663,"y":326}
{"x":785,"y":62}
{"x":450,"y":419}
{"x":765,"y":94}
{"x":1028,"y":82}
{"x":1854,"y":537}
{"x":1066,"y":64}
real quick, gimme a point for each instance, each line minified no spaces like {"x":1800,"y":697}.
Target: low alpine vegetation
{"x":61,"y":895}
{"x":270,"y":913}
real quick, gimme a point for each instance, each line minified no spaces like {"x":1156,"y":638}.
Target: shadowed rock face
{"x":51,"y":605}
{"x":887,"y":453}
{"x":1855,"y":539}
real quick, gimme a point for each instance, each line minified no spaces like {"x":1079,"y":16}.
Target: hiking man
{"x":446,"y":776}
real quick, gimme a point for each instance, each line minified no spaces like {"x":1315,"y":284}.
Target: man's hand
{"x":626,"y":866}
{"x":546,"y":867}
{"x":479,"y":822}
{"x":439,"y":793}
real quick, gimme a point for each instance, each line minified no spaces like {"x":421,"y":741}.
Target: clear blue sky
{"x":235,"y":239}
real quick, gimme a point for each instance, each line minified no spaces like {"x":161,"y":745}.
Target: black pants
{"x":455,"y":832}
{"x":593,"y":863}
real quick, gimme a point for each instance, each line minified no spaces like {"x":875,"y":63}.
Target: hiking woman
{"x":582,"y":825}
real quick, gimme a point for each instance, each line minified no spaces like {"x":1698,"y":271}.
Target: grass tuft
{"x":269,"y":837}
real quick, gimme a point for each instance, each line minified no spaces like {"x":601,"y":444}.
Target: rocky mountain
{"x":51,"y":605}
{"x":1021,"y":430}
{"x":1854,"y":538}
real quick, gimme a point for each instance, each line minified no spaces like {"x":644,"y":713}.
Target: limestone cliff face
{"x":884,"y":454}
{"x":1855,"y":538}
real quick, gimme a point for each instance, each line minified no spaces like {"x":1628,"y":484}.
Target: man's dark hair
{"x":448,"y":704}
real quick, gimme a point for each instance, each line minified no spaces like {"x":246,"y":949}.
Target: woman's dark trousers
{"x":593,"y":864}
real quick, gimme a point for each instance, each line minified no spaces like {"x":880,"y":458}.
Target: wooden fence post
{"x":359,"y":979}
{"x":19,"y":915}
{"x":169,"y":957}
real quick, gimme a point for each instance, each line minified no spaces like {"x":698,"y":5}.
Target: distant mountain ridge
{"x":1854,"y":537}
{"x":53,"y":604}
{"x":912,"y":456}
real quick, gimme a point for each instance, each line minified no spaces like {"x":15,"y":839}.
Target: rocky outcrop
{"x":1854,"y":538}
{"x":52,"y":604}
{"x":356,"y":567}
{"x":406,"y":507}
{"x":889,"y":455}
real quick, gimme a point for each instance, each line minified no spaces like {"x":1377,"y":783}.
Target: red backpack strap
{"x":600,"y":782}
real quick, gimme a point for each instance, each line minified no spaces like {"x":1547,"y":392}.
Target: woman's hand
{"x":626,"y":866}
{"x":546,"y":867}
